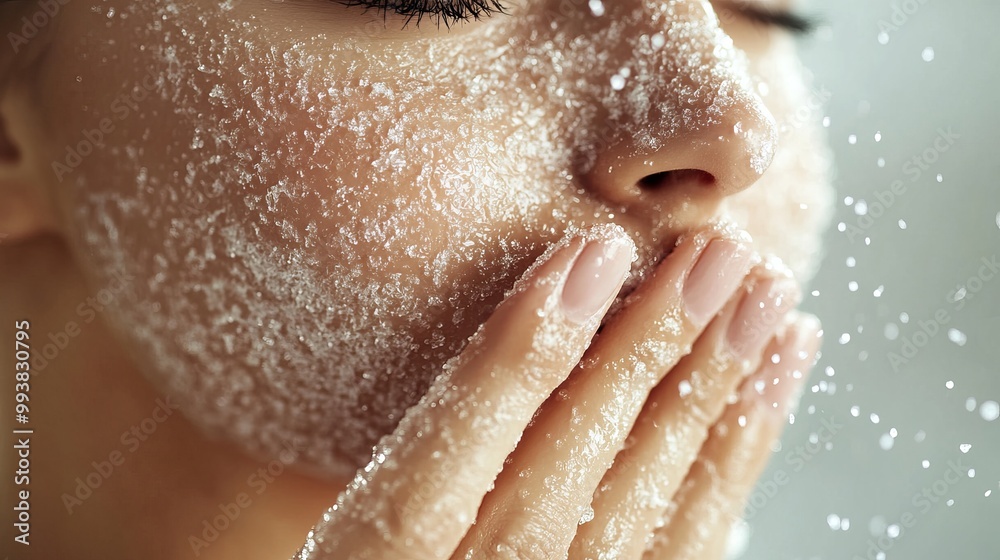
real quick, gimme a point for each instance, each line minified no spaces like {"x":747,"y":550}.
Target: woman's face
{"x":314,"y":206}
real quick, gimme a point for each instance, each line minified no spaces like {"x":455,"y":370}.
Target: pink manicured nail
{"x":715,"y":276}
{"x":759,"y":315}
{"x":779,"y":381}
{"x":595,"y":278}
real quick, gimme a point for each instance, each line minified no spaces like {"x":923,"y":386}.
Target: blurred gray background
{"x":899,"y":483}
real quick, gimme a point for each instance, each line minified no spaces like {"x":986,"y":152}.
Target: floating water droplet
{"x":949,"y":384}
{"x":833,"y":520}
{"x":874,"y":418}
{"x":927,"y":54}
{"x":957,"y":336}
{"x":891,"y":331}
{"x":892,"y":531}
{"x":826,"y":122}
{"x":845,"y":338}
{"x":989,"y":410}
{"x":880,"y":162}
{"x":925,"y":464}
{"x":919,"y":436}
{"x":861,"y":208}
{"x":970,"y":404}
{"x":902,"y":224}
{"x":596,"y":7}
{"x":878,"y":291}
{"x":852,"y":286}
{"x":617,"y":82}
{"x":658,"y":40}
{"x":877,"y":526}
{"x":852,"y":139}
{"x":965,"y":447}
{"x":855,"y":411}
{"x":883,"y":38}
{"x":886,"y":442}
{"x":972,"y":473}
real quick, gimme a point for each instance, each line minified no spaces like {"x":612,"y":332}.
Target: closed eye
{"x":783,"y":19}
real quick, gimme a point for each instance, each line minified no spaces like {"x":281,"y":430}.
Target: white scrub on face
{"x":320,"y":211}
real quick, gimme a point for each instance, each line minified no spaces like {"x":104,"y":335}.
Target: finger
{"x":420,"y":492}
{"x":633,"y":495}
{"x":538,"y":500}
{"x":711,"y":499}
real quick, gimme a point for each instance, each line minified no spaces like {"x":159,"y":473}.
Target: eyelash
{"x":448,"y":12}
{"x":444,"y":12}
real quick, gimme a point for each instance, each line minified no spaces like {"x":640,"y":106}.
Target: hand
{"x":523,"y":450}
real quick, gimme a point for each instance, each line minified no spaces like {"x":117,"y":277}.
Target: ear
{"x":26,"y":203}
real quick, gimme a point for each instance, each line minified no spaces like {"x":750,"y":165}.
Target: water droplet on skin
{"x":617,"y":82}
{"x":684,"y":388}
{"x":658,"y":40}
{"x":596,"y":7}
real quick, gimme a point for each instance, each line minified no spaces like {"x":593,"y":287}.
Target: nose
{"x":678,"y":120}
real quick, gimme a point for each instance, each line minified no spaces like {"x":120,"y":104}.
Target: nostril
{"x":676,"y":178}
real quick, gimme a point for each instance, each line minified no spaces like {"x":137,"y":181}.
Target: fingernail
{"x":759,"y":314}
{"x":779,"y":381}
{"x":718,"y":271}
{"x":595,"y":278}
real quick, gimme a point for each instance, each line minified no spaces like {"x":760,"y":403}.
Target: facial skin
{"x":314,"y":211}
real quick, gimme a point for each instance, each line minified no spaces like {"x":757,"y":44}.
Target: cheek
{"x":296,"y":234}
{"x":795,"y":194}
